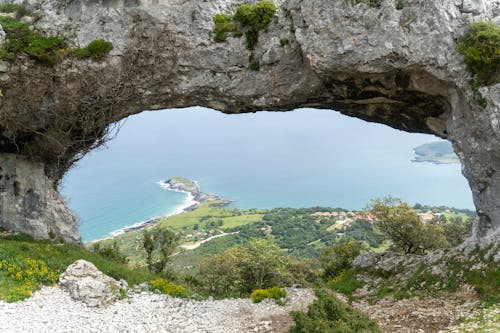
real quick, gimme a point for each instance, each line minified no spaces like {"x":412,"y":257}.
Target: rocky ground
{"x":53,"y":310}
{"x":421,"y":315}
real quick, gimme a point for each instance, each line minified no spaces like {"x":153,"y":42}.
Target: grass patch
{"x":26,"y":265}
{"x":329,"y":315}
{"x":345,"y":282}
{"x":487,"y":283}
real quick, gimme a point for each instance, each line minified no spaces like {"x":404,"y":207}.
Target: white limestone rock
{"x":87,"y":284}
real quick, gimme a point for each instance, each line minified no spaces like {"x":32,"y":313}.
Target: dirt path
{"x":193,"y":246}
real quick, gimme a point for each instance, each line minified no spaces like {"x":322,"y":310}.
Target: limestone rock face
{"x":87,"y":284}
{"x":29,"y":203}
{"x":394,"y":66}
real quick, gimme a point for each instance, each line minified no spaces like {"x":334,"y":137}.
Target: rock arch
{"x":394,"y":66}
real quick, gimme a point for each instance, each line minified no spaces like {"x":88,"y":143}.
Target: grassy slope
{"x":57,"y":257}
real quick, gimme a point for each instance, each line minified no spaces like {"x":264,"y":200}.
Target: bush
{"x":338,"y":258}
{"x":259,"y":295}
{"x":248,"y":18}
{"x":481,"y":48}
{"x":275,"y":293}
{"x":329,"y":315}
{"x":96,"y":50}
{"x":240,"y":270}
{"x":26,"y":276}
{"x":44,"y":49}
{"x":20,"y":38}
{"x":169,"y":288}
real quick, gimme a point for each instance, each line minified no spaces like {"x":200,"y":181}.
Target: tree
{"x":160,"y":241}
{"x":149,"y":246}
{"x":262,"y":266}
{"x":400,"y":223}
{"x":166,"y":242}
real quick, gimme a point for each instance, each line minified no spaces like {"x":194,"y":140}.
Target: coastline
{"x":194,"y":198}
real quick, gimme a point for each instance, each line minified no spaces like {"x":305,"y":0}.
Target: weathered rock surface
{"x":397,"y":67}
{"x":29,"y":202}
{"x":89,"y":285}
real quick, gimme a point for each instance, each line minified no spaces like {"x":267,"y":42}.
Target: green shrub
{"x":275,"y":293}
{"x":248,"y":19}
{"x":223,"y":25}
{"x":259,"y":295}
{"x":44,"y":49}
{"x":25,"y":276}
{"x":169,"y":288}
{"x":329,"y":315}
{"x":20,"y":38}
{"x":96,"y":50}
{"x":400,"y":4}
{"x":481,"y":48}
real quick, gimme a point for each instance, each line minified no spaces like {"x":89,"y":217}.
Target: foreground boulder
{"x":89,"y":285}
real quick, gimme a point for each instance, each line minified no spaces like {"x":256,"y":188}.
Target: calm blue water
{"x":263,"y":160}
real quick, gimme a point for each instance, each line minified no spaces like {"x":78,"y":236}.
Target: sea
{"x":303,"y":158}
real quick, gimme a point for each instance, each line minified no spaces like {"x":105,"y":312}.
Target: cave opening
{"x":304,"y":158}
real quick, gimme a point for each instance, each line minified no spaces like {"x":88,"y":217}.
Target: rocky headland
{"x":192,"y":188}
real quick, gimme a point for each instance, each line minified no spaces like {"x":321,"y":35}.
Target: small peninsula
{"x":439,"y":152}
{"x":192,"y":188}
